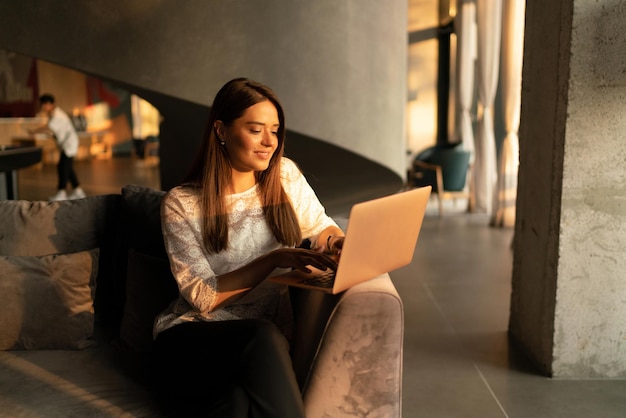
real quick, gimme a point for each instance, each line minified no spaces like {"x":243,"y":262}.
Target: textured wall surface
{"x":569,"y":295}
{"x":542,"y":131}
{"x":590,"y":325}
{"x":338,"y":67}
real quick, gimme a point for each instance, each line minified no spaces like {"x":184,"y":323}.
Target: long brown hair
{"x":211,"y":171}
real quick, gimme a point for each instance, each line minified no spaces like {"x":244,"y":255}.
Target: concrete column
{"x":568,"y":304}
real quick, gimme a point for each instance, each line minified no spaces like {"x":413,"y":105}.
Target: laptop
{"x":380,"y":237}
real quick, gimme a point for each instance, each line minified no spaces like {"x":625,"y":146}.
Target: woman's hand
{"x":330,"y":242}
{"x":334,"y":246}
{"x":301,"y":259}
{"x":232,"y":286}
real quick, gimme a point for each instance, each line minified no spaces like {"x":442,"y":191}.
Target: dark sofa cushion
{"x":139,"y":227}
{"x":141,"y":220}
{"x":150,"y":285}
{"x":150,"y":288}
{"x":46,"y":302}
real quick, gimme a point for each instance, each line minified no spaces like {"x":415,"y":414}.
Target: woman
{"x":221,"y":348}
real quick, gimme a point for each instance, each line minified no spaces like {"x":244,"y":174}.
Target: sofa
{"x":82,"y":280}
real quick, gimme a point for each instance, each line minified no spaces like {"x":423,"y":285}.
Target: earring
{"x":222,"y":142}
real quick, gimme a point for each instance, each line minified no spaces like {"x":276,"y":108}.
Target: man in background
{"x":60,"y":125}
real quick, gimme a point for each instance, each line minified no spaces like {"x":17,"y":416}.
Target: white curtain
{"x":466,"y":46}
{"x":489,"y":23}
{"x":511,"y":87}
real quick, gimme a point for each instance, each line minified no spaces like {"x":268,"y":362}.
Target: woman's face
{"x":252,"y":139}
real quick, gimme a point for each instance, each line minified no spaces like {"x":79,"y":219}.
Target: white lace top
{"x":249,"y":236}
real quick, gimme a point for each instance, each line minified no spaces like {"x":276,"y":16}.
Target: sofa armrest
{"x":357,"y":369}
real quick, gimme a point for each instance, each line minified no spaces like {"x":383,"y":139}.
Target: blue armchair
{"x":446,"y":169}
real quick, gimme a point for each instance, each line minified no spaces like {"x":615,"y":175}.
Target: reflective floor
{"x":96,"y":177}
{"x":458,"y":361}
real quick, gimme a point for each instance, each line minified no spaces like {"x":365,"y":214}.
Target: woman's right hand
{"x":232,"y":286}
{"x":302,"y":259}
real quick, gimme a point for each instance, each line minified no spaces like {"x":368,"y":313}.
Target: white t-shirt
{"x":66,"y":136}
{"x":249,"y":236}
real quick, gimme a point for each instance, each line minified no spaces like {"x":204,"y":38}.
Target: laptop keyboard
{"x":325,"y":279}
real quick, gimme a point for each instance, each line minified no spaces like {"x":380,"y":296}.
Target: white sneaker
{"x":61,"y":195}
{"x":78,"y":193}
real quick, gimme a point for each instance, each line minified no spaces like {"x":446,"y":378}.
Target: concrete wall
{"x":569,"y":295}
{"x":590,"y":317}
{"x":338,"y":67}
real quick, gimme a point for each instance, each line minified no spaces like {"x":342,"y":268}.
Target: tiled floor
{"x":458,"y":361}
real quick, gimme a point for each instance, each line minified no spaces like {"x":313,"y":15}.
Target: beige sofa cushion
{"x":46,"y":302}
{"x":65,"y":227}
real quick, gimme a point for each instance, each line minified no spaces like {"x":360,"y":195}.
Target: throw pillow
{"x":66,"y":227}
{"x":141,"y":219}
{"x":46,"y":302}
{"x":150,"y":287}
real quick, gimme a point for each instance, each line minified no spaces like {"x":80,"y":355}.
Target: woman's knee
{"x":266,"y":332}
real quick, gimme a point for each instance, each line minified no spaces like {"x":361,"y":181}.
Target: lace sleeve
{"x":310,"y":211}
{"x":183,"y":242}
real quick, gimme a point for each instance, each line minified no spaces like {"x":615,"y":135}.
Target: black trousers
{"x":65,"y":171}
{"x":226,"y":369}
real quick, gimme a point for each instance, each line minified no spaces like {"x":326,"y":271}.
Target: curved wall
{"x":338,"y":67}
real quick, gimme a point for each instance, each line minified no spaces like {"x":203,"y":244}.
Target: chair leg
{"x":439,"y":174}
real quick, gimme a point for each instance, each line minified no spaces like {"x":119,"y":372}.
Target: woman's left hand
{"x":334,"y":245}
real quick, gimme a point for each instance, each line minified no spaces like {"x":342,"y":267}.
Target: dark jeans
{"x":65,"y":170}
{"x":226,"y":369}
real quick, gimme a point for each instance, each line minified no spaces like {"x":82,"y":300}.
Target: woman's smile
{"x":264,"y":155}
{"x":252,"y":139}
